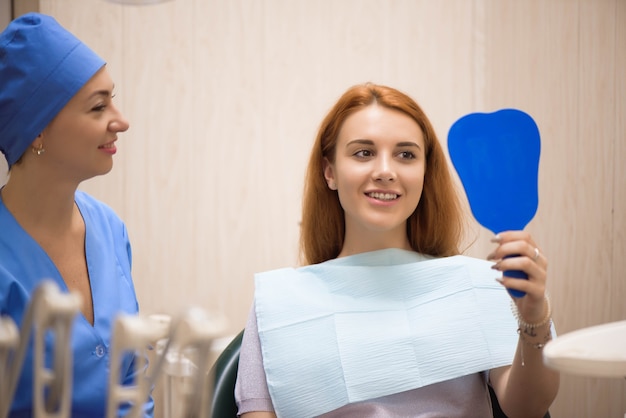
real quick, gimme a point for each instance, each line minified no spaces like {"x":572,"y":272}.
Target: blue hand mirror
{"x":497,"y":158}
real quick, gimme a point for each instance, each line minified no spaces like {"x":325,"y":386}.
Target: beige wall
{"x":5,"y":12}
{"x":224,"y":98}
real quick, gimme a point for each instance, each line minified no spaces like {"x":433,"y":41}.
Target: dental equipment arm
{"x":55,"y":313}
{"x":196,"y":332}
{"x":49,"y":310}
{"x":9,"y":340}
{"x":131,"y":333}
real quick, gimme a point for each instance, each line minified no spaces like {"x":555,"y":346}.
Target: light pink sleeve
{"x":251,"y":393}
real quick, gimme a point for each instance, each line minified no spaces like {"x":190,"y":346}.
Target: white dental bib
{"x":378,"y":323}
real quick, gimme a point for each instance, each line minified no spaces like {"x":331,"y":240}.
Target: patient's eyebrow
{"x":408,"y":144}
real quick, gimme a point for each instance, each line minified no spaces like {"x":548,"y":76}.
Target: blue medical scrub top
{"x":23,"y":265}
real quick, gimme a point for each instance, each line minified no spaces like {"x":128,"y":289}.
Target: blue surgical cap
{"x":42,"y":66}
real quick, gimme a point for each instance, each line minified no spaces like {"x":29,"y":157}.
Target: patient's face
{"x":378,"y":170}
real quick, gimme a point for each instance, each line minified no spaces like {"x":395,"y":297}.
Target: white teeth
{"x":383,"y":196}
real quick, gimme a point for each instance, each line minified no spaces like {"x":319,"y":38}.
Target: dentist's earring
{"x":332,"y":185}
{"x":38,"y":150}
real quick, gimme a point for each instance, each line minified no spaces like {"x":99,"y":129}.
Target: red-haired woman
{"x":385,"y":318}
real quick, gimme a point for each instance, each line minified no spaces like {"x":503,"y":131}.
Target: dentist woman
{"x":60,"y":127}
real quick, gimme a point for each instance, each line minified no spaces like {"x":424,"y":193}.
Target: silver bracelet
{"x":537,"y":346}
{"x":525,"y":325}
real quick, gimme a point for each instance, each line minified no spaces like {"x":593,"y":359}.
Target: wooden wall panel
{"x":617,"y":290}
{"x":595,"y":197}
{"x":557,"y":61}
{"x":20,"y":7}
{"x":598,"y":91}
{"x":616,"y":294}
{"x":595,"y":146}
{"x":5,"y":12}
{"x":162,"y":151}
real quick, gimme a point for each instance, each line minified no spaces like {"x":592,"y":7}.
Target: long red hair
{"x":435,"y":227}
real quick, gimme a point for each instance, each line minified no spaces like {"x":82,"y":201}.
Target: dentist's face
{"x":80,"y":141}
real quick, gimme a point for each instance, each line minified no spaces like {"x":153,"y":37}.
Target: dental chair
{"x":224,"y":373}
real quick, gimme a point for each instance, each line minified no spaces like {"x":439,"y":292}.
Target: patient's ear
{"x":329,"y":174}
